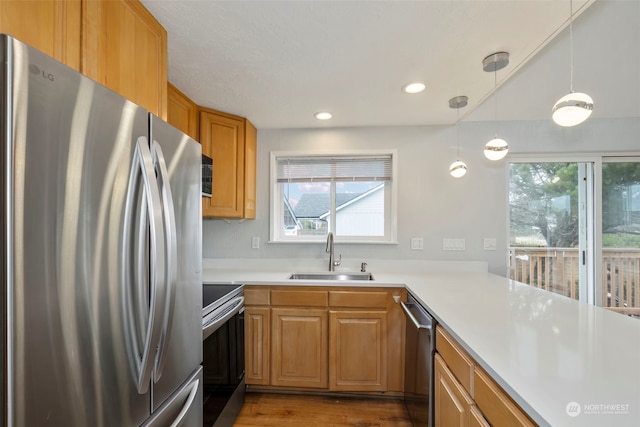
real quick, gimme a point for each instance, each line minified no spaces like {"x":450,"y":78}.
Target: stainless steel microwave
{"x":207,"y":176}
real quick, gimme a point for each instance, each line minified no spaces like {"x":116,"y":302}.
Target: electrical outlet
{"x":255,"y":242}
{"x":417,"y":243}
{"x":453,"y":244}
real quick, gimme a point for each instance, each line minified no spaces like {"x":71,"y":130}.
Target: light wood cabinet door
{"x":250,"y":153}
{"x":476,"y":419}
{"x":222,"y":139}
{"x":125,"y":49}
{"x":182,"y":112}
{"x":494,"y":403}
{"x":52,"y":26}
{"x":452,"y":402}
{"x":299,"y":347}
{"x":257,"y":330}
{"x":358,"y":350}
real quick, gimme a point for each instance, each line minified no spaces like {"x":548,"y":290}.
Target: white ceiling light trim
{"x":413,"y":88}
{"x":574,"y":108}
{"x":323,"y":115}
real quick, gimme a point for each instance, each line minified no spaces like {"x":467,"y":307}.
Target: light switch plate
{"x":490,"y":244}
{"x":255,"y":243}
{"x":453,"y":244}
{"x":417,"y":243}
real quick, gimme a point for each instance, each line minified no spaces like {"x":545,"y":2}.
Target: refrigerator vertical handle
{"x":142,"y":360}
{"x":171,"y":250}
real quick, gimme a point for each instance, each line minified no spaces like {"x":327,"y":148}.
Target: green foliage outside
{"x":543,"y":199}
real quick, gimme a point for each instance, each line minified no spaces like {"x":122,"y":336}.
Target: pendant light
{"x":458,"y":168}
{"x":574,"y":108}
{"x":497,"y":148}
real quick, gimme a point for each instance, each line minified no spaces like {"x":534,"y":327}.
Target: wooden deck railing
{"x":556,"y":270}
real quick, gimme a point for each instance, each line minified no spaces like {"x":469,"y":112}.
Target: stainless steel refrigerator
{"x":101,"y":254}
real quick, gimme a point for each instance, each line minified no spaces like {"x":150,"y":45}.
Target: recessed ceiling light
{"x":323,"y":115}
{"x":415,"y":87}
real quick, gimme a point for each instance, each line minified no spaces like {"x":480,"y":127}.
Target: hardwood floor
{"x":267,"y":409}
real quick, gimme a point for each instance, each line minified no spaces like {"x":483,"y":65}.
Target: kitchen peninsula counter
{"x":546,"y":351}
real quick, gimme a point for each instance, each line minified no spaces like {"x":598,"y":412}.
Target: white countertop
{"x":545,"y":350}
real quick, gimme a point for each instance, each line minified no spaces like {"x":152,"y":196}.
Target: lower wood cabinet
{"x":452,"y":402}
{"x":299,"y":347}
{"x":257,"y":331}
{"x":324,"y":338}
{"x":465,"y":395}
{"x":358,"y":350}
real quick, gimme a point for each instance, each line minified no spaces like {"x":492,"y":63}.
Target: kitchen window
{"x":350,"y":194}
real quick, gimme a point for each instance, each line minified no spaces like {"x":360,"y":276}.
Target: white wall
{"x":431,"y":204}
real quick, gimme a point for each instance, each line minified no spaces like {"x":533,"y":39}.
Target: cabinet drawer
{"x":456,"y":359}
{"x":302,"y":298}
{"x":358,"y":299}
{"x":253,"y":296}
{"x":452,"y":402}
{"x":496,"y":406}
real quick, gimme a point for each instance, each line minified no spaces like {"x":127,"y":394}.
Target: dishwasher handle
{"x":418,"y":325}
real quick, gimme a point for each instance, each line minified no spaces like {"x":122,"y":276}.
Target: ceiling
{"x":279,"y":62}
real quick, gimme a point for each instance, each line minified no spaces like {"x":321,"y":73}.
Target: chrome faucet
{"x":332,"y":263}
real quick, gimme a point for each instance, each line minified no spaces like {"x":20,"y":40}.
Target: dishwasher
{"x":419,"y":351}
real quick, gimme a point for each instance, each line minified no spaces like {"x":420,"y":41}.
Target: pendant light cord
{"x":457,"y":134}
{"x":571,"y":45}
{"x":495,"y":100}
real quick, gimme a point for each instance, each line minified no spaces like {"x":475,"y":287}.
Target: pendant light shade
{"x":497,"y":148}
{"x":458,"y":168}
{"x":576,"y":107}
{"x":572,"y":109}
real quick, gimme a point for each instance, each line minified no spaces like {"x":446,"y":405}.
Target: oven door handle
{"x":218,"y":317}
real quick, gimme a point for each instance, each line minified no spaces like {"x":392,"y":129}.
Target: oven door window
{"x":223,"y":362}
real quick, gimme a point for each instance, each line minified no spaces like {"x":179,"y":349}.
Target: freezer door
{"x":183,"y":408}
{"x":70,"y":145}
{"x":177,"y":159}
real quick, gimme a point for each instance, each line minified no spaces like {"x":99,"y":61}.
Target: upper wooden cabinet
{"x":52,"y":27}
{"x":117,"y":43}
{"x":125,"y":49}
{"x":231,"y":142}
{"x":182,"y":112}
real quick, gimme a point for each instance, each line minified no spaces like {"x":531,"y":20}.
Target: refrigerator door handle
{"x":187,"y":405}
{"x":142,"y":360}
{"x":171,"y":251}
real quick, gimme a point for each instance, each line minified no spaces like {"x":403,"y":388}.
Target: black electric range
{"x":223,"y":352}
{"x":215,"y":295}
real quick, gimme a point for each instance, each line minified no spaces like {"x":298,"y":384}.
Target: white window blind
{"x":335,"y":168}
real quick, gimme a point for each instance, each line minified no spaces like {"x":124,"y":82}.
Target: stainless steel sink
{"x":331,"y":276}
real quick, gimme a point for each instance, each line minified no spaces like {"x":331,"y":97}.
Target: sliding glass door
{"x":620,"y":287}
{"x":574,"y":229}
{"x":551,"y":227}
